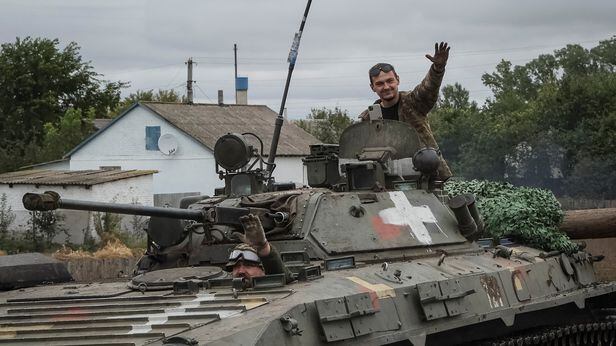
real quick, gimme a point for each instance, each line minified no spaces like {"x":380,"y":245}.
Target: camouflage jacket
{"x":413,"y":109}
{"x":272,"y":264}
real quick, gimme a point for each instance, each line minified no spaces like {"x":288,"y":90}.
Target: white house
{"x":134,"y":187}
{"x":178,"y":139}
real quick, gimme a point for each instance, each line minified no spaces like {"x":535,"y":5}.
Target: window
{"x":110,"y":168}
{"x":152,"y":134}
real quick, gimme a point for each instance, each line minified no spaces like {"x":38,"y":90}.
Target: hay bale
{"x":67,"y":254}
{"x":113,"y":249}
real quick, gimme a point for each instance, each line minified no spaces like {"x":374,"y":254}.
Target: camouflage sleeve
{"x":424,"y":96}
{"x":272,"y":264}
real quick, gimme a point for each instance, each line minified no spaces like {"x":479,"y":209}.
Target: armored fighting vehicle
{"x":380,"y":256}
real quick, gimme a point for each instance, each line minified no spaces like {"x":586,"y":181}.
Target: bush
{"x":6,"y":217}
{"x":44,"y":226}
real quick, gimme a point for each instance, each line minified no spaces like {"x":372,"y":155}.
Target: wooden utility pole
{"x":189,"y":82}
{"x":235,"y":64}
{"x":235,"y":59}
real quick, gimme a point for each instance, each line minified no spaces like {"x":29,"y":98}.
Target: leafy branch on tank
{"x":532,"y":215}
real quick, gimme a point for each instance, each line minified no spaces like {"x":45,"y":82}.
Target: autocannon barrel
{"x":50,"y":200}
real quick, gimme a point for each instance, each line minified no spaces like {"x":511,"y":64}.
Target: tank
{"x":380,"y":256}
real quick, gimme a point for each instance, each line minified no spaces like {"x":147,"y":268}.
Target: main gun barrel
{"x":51,"y":201}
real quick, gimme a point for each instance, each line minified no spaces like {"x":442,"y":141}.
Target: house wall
{"x":290,"y":169}
{"x":123,"y":144}
{"x":138,"y":189}
{"x":190,"y":170}
{"x":54,"y":165}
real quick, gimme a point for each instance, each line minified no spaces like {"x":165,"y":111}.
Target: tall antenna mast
{"x":235,"y":64}
{"x":280,"y":118}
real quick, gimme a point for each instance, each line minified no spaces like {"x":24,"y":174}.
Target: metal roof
{"x":207,"y":122}
{"x":101,"y":123}
{"x":79,"y":178}
{"x":64,"y":159}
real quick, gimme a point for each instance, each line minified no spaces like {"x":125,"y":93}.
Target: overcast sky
{"x":147,"y":42}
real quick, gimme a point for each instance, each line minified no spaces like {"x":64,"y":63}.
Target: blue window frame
{"x":152,"y":134}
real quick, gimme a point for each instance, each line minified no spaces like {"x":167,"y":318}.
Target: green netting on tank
{"x":531,"y":215}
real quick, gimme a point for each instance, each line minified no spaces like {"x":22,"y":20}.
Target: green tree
{"x":39,"y":83}
{"x":61,"y":137}
{"x":44,"y":226}
{"x":325,"y":124}
{"x":550,"y":123}
{"x":453,"y":122}
{"x":7,"y":216}
{"x":148,"y":95}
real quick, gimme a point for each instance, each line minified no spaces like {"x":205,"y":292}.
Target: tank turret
{"x":381,"y":202}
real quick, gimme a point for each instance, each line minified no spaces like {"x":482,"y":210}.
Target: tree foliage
{"x":160,"y":95}
{"x":44,"y":226}
{"x":453,"y":121}
{"x":549,"y":123}
{"x":7,"y":216}
{"x":325,"y":124}
{"x":49,"y":97}
{"x":68,"y":132}
{"x":39,"y":83}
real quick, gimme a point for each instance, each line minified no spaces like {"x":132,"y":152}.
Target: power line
{"x":324,"y":60}
{"x":224,"y":60}
{"x":175,"y":76}
{"x":355,"y":75}
{"x":162,"y":87}
{"x":198,"y":87}
{"x":140,"y":69}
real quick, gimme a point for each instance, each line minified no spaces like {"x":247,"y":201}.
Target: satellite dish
{"x":167,"y":144}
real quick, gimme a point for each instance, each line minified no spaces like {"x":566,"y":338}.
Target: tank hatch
{"x":164,"y":279}
{"x":379,"y":133}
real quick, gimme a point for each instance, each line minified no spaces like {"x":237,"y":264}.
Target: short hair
{"x":380,"y":67}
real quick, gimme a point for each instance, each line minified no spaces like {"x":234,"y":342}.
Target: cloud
{"x":147,"y":42}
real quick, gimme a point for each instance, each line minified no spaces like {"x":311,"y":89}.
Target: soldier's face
{"x":247,"y":271}
{"x":385,"y":85}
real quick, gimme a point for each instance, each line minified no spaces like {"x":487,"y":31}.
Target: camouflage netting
{"x":530,"y":215}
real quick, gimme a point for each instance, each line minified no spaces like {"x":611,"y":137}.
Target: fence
{"x":569,"y":203}
{"x":100,"y":269}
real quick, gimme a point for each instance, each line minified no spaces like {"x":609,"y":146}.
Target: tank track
{"x":597,"y":333}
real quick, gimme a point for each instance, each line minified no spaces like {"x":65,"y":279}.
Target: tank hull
{"x":423,"y":301}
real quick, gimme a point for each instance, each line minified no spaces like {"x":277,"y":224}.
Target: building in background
{"x":117,"y":186}
{"x":178,"y":139}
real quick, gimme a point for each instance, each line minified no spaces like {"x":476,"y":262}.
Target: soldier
{"x":412,"y":106}
{"x":255,"y":256}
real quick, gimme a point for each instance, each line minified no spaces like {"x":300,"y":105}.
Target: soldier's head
{"x":245,"y":263}
{"x":384,"y":81}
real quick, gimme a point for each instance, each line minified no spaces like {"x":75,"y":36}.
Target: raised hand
{"x":254,"y":235}
{"x":441,"y":54}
